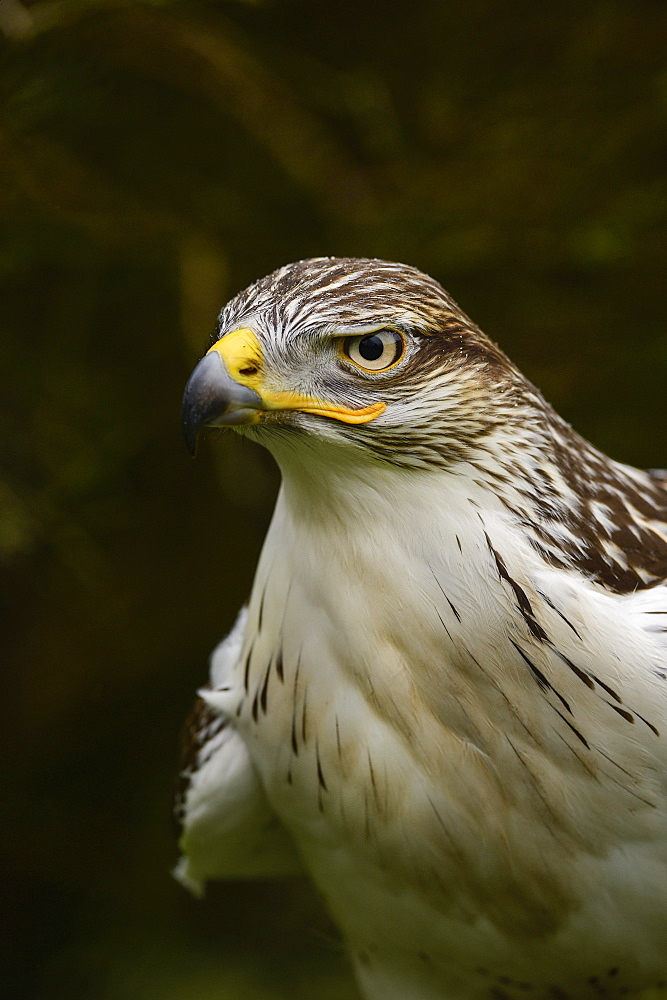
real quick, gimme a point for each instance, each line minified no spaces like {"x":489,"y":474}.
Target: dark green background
{"x":155,"y":158}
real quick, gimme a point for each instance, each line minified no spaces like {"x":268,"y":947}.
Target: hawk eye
{"x":375,"y":351}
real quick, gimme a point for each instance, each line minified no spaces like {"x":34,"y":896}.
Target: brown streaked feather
{"x":635,"y":522}
{"x":659,"y":476}
{"x":200,"y":726}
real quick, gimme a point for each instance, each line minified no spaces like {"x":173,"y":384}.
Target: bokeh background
{"x":155,"y":157}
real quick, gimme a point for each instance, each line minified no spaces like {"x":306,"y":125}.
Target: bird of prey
{"x":446,"y":699}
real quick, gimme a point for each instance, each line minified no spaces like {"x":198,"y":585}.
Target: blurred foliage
{"x":155,"y":157}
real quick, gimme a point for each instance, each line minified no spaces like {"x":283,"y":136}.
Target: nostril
{"x":249,"y":370}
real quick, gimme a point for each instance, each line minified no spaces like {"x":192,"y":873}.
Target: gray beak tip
{"x":213,"y":398}
{"x":201,"y":398}
{"x":190,"y":435}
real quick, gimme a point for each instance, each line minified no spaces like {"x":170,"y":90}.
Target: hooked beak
{"x":214,"y":398}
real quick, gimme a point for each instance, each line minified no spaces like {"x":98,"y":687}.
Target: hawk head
{"x":368,"y":353}
{"x":377,"y":359}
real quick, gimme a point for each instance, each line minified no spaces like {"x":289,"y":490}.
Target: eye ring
{"x":376,"y":351}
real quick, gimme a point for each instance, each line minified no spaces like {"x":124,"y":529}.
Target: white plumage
{"x":449,"y":691}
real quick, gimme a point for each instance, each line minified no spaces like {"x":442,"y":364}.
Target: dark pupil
{"x":371,"y":348}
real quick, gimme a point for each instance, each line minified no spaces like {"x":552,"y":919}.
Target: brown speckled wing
{"x":200,"y":726}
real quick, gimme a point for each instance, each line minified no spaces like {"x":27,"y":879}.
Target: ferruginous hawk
{"x":447,"y":696}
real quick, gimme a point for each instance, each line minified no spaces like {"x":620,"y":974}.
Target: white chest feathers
{"x":465,"y":745}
